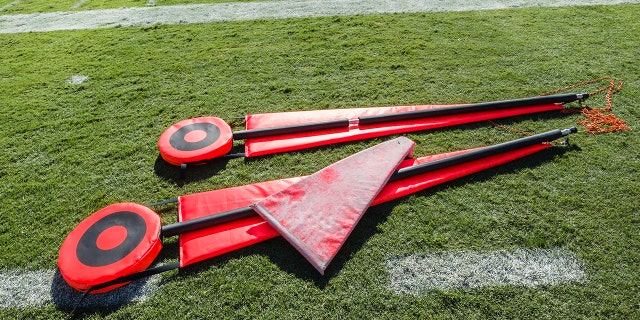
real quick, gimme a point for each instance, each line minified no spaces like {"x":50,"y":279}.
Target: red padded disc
{"x":195,"y":140}
{"x":116,"y":241}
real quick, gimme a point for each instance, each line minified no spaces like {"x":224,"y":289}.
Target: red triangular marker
{"x":317,"y":214}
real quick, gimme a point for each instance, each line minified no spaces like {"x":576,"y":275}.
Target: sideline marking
{"x":25,"y":289}
{"x":28,"y":289}
{"x":420,"y":273}
{"x":237,"y":11}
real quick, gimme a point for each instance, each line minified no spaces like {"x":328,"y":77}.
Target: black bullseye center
{"x":90,"y":254}
{"x":179,"y":141}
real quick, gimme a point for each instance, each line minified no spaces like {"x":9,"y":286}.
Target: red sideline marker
{"x":123,"y":239}
{"x":206,"y":231}
{"x":203,"y":139}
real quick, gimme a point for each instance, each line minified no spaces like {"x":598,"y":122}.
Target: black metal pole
{"x":297,"y":128}
{"x":246,"y":212}
{"x":206,"y":221}
{"x":367,"y":120}
{"x":480,"y":153}
{"x":476,"y":107}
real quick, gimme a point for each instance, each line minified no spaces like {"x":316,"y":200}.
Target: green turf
{"x":71,"y":149}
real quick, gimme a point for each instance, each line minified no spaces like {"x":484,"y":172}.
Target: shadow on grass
{"x":77,"y":303}
{"x":190,"y":173}
{"x":80,"y":305}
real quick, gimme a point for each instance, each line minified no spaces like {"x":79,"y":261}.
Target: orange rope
{"x":596,"y":120}
{"x":524,"y":133}
{"x":503,"y":127}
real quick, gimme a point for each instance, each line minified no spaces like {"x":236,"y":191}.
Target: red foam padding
{"x":217,"y":240}
{"x":298,"y":141}
{"x":214,"y":241}
{"x":218,"y":148}
{"x":83,"y":277}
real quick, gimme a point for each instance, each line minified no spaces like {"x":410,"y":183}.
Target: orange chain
{"x":561,"y":142}
{"x":596,"y":120}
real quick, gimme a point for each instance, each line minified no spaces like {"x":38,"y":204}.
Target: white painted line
{"x":79,"y":4}
{"x":9,"y":5}
{"x":235,"y":11}
{"x":78,"y":79}
{"x":421,"y":273}
{"x":25,"y":289}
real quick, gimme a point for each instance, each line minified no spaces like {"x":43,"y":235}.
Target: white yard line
{"x":421,"y":273}
{"x":235,"y":11}
{"x":28,"y":289}
{"x":414,"y":274}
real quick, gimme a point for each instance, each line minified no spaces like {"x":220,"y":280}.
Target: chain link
{"x":596,"y":119}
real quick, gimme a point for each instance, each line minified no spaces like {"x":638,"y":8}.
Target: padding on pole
{"x":118,"y":240}
{"x":195,"y":140}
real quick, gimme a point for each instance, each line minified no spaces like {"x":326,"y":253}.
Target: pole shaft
{"x":375,"y":119}
{"x":480,"y":153}
{"x":246,"y":212}
{"x":206,"y":221}
{"x":297,"y":128}
{"x":476,"y":107}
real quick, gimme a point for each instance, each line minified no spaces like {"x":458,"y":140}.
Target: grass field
{"x":70,"y":149}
